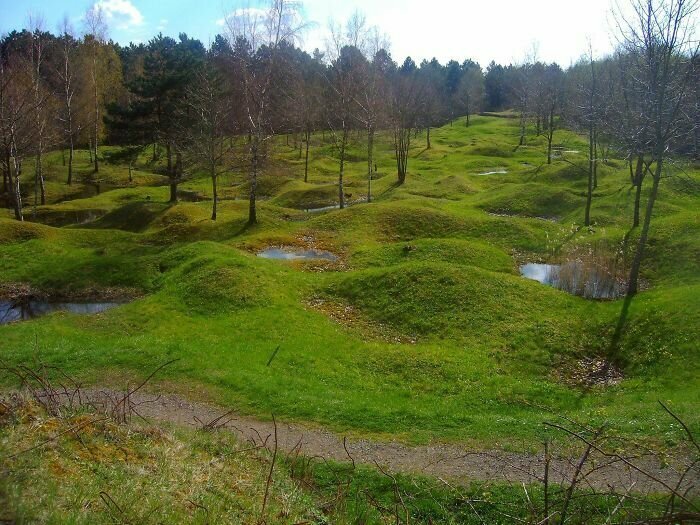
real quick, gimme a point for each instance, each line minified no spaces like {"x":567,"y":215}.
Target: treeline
{"x":205,"y":106}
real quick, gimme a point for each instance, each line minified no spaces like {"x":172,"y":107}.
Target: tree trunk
{"x":71,"y":154}
{"x":42,"y":185}
{"x":252,"y":211}
{"x":638,"y":183}
{"x":550,"y":136}
{"x":131,"y":177}
{"x":16,"y":190}
{"x":595,"y":160}
{"x":18,"y":199}
{"x":341,"y":190}
{"x":173,"y":190}
{"x":90,"y":149}
{"x":633,"y":286}
{"x":169,"y":158}
{"x":97,"y":110}
{"x":591,"y":170}
{"x":522,"y":129}
{"x":370,"y":160}
{"x":429,"y":146}
{"x":306,"y":160}
{"x":214,"y":193}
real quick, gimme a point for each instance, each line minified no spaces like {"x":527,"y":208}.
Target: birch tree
{"x":68,"y":47}
{"x":95,"y":36}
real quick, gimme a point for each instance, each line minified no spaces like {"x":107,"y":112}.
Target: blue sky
{"x":503,"y":30}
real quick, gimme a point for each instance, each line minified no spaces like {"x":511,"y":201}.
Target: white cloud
{"x":122,"y":14}
{"x":162,"y":24}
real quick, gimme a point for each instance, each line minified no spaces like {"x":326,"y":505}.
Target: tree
{"x":659,"y":39}
{"x":343,"y":90}
{"x":68,"y":47}
{"x":206,"y":115}
{"x":551,"y":100}
{"x":372,"y":94}
{"x":17,"y":112}
{"x":157,"y":94}
{"x":310,"y":104}
{"x":37,"y":55}
{"x":405,"y":108}
{"x":471,"y":88}
{"x":95,"y":36}
{"x":591,"y":115}
{"x":256,"y":37}
{"x":495,"y":85}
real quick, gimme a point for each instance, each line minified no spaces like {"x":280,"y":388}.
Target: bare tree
{"x":406,"y":101}
{"x":17,"y":111}
{"x":96,"y":33}
{"x":659,"y":39}
{"x":373,"y":92}
{"x":36,"y":61}
{"x":66,"y":74}
{"x":552,"y":99}
{"x":262,"y":33}
{"x":591,"y":116}
{"x":344,"y":81}
{"x":203,"y":137}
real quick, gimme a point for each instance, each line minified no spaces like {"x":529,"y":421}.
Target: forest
{"x":245,"y":283}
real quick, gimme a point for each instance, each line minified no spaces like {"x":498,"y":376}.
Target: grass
{"x":84,"y":468}
{"x":93,"y":471}
{"x":435,"y":259}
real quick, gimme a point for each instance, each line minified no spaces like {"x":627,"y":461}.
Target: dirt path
{"x":447,"y":461}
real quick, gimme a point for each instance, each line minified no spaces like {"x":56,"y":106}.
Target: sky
{"x":506,"y":31}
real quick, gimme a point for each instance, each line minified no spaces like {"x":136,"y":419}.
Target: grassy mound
{"x":307,"y":196}
{"x":211,"y":279}
{"x":453,"y":251}
{"x":531,"y":200}
{"x":433,"y":299}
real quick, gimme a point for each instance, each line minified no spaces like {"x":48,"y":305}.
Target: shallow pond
{"x":293,"y":254}
{"x":322,"y":208}
{"x":11,"y":311}
{"x":576,"y":278}
{"x":500,"y":171}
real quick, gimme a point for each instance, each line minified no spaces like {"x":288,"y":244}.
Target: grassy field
{"x":444,"y":340}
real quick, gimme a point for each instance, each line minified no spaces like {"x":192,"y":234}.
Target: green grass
{"x":97,"y":472}
{"x":83,"y":468}
{"x":435,"y":258}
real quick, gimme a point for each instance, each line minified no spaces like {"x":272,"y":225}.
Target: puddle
{"x":323,"y":208}
{"x":515,"y":215}
{"x":500,"y":171}
{"x":59,"y":218}
{"x":335,"y":206}
{"x":556,"y":152}
{"x":575,"y":278}
{"x":11,"y":311}
{"x":293,"y":254}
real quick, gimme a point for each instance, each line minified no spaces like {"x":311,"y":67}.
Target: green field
{"x":447,"y":341}
{"x":483,"y":353}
